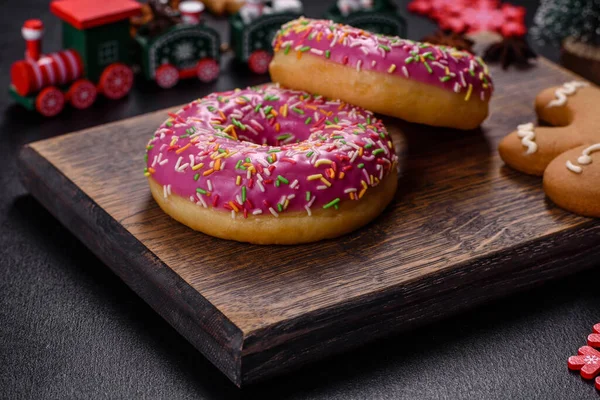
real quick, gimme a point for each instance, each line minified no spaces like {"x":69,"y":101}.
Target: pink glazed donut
{"x":268,"y":165}
{"x":418,"y":82}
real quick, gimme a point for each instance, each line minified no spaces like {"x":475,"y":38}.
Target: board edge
{"x":393,"y":310}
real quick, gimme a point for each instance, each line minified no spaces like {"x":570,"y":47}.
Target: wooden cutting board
{"x":463,"y":229}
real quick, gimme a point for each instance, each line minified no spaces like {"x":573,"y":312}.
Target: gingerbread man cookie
{"x":565,"y":152}
{"x":572,"y":180}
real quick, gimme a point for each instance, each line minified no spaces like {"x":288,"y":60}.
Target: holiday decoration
{"x":587,"y":360}
{"x":474,"y":16}
{"x":98,"y":52}
{"x":378,"y":16}
{"x":186,"y":50}
{"x":253,"y":28}
{"x":556,"y":20}
{"x":575,"y":25}
{"x":95,"y":60}
{"x":594,"y":338}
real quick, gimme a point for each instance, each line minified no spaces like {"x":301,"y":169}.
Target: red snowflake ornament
{"x":483,"y":18}
{"x":594,"y":338}
{"x":588,"y":359}
{"x":513,"y":29}
{"x":443,"y":9}
{"x":437,"y":8}
{"x":473,"y":15}
{"x":587,"y":362}
{"x":513,"y":13}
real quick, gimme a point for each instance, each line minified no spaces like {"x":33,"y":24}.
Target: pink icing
{"x":445,"y":67}
{"x":285,"y":140}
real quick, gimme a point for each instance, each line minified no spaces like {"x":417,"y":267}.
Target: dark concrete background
{"x":70,"y":329}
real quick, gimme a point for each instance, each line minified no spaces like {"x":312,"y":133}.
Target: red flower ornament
{"x":588,"y":359}
{"x":594,"y":338}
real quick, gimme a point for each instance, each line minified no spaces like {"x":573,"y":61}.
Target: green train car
{"x":183,"y":51}
{"x":251,"y":42}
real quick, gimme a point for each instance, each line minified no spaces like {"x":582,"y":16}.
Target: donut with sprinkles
{"x":269,"y":165}
{"x":418,"y":82}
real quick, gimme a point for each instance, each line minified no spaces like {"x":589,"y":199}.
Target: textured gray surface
{"x":69,"y":328}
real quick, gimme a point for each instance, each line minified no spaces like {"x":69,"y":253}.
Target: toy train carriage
{"x":183,"y":51}
{"x":382,"y":18}
{"x":96,"y":39}
{"x":252,"y":43}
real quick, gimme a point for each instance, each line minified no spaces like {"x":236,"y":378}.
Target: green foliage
{"x":555,"y":20}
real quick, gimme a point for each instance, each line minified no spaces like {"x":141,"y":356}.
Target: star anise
{"x":450,"y":39}
{"x":511,"y":50}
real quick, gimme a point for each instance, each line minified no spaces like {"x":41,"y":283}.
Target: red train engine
{"x":96,"y":36}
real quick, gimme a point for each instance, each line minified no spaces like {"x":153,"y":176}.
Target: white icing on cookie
{"x":565,"y":90}
{"x":584,"y":159}
{"x":527,"y":135}
{"x":573,"y":168}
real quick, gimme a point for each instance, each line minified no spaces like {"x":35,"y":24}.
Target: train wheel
{"x":207,"y":70}
{"x":116,"y":81}
{"x":82,"y":94}
{"x":259,"y":61}
{"x":50,"y":102}
{"x":167,"y":76}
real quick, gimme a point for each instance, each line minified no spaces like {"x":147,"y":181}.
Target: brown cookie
{"x":563,"y":153}
{"x":572,"y":180}
{"x":573,"y":111}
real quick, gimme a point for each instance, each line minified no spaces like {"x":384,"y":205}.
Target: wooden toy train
{"x":100,"y":55}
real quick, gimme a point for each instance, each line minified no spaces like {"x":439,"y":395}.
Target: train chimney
{"x":32,"y":31}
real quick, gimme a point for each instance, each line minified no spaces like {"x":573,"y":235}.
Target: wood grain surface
{"x":463,"y":229}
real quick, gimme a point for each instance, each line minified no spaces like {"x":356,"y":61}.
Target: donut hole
{"x":292,"y":129}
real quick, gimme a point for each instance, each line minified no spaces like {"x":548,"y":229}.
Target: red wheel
{"x":82,"y":94}
{"x":259,"y":61}
{"x":50,"y":102}
{"x":116,"y":81}
{"x":167,"y":76}
{"x":207,"y":70}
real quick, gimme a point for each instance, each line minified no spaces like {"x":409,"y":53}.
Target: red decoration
{"x":167,"y":76}
{"x":473,"y":15}
{"x":82,"y":94}
{"x":85,"y":14}
{"x":436,"y":8}
{"x":116,"y":81}
{"x":594,"y":338}
{"x":207,"y":70}
{"x":513,"y":13}
{"x":482,"y":18}
{"x":38,"y":71}
{"x":259,"y":61}
{"x":587,"y":360}
{"x":513,"y":29}
{"x":32,"y":31}
{"x":50,"y":101}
